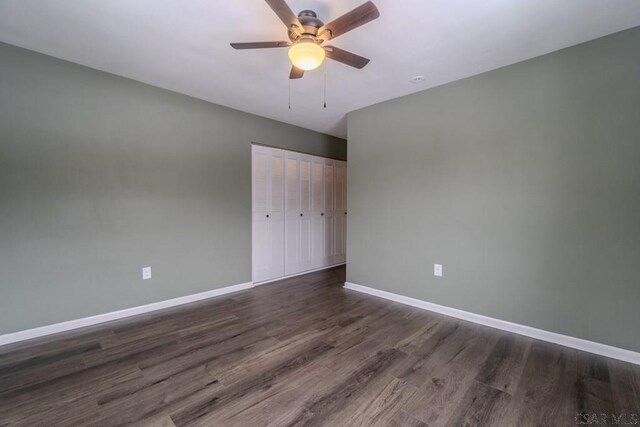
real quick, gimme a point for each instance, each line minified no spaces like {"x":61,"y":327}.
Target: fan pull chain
{"x":289,"y":94}
{"x":324,"y":67}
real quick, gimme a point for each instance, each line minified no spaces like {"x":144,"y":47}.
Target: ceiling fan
{"x":307,"y":33}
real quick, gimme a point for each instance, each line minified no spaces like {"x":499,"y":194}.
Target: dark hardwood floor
{"x":305,"y":351}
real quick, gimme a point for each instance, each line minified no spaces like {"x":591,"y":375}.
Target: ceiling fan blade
{"x":259,"y":45}
{"x":345,"y":57}
{"x":286,"y":15}
{"x":296,"y":73}
{"x":359,"y":16}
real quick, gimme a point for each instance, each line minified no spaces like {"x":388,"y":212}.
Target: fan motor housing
{"x":310,"y":22}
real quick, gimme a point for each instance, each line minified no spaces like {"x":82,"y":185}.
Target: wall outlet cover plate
{"x":437,"y":270}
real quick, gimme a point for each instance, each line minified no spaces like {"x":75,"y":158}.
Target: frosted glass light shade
{"x":306,"y":54}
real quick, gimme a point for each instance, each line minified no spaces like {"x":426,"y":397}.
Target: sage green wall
{"x":101,"y":176}
{"x":524,"y":182}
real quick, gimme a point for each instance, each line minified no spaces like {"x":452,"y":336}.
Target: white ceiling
{"x":184,"y":45}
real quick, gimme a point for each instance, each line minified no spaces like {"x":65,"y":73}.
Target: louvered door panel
{"x":295,"y":225}
{"x":318,"y":215}
{"x":268,"y":218}
{"x":261,"y":177}
{"x":329,"y":177}
{"x":340,"y":221}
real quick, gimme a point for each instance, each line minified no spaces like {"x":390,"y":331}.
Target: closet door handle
{"x":322,"y":214}
{"x":345,"y":213}
{"x":300,"y":214}
{"x":267,"y":215}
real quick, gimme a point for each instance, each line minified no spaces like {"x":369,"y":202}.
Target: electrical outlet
{"x":437,"y":270}
{"x":146,"y":273}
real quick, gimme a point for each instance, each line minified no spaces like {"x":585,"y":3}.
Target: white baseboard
{"x":565,"y":340}
{"x":297,"y":274}
{"x":115,"y":315}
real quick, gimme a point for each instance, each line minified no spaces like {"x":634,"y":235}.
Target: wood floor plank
{"x":58,"y":412}
{"x":333,"y":406}
{"x":379,"y":406}
{"x":450,"y":371}
{"x":151,"y":401}
{"x":402,"y":419}
{"x":594,"y":394}
{"x":305,"y":351}
{"x":93,"y":381}
{"x":47,"y":360}
{"x":436,"y":353}
{"x":250,"y":389}
{"x":546,"y":393}
{"x":344,"y":360}
{"x":625,"y":387}
{"x":268,"y":359}
{"x":33,"y":376}
{"x":481,"y":405}
{"x":186,"y":356}
{"x":414,"y":342}
{"x":283,"y":402}
{"x":503,"y":368}
{"x":161,"y":421}
{"x":43,"y":346}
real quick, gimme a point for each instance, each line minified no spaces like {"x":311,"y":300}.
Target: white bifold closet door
{"x":268,"y":213}
{"x":340,"y":214}
{"x":329,"y":171}
{"x":297,"y":222}
{"x":310,"y":212}
{"x":320,"y":241}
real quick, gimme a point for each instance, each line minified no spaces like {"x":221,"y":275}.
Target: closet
{"x":299,"y":212}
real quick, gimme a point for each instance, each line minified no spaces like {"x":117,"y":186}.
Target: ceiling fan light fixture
{"x":306,"y":54}
{"x":307,"y":33}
